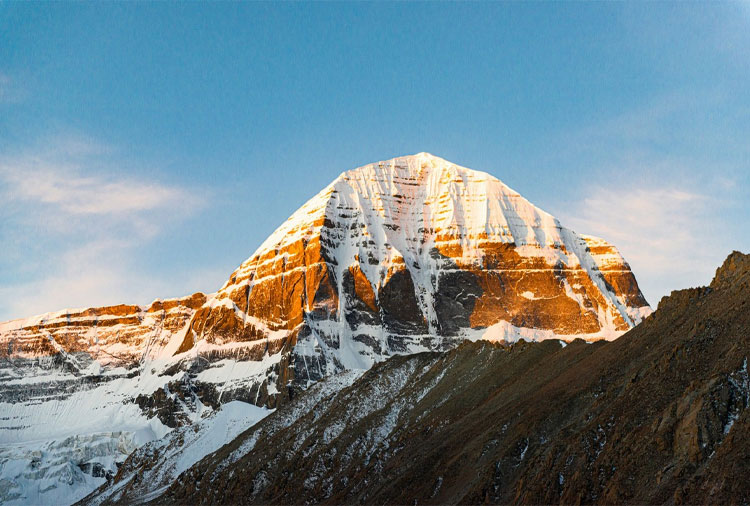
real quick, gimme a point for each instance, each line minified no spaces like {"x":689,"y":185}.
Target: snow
{"x":740,"y":383}
{"x":233,"y":370}
{"x":48,"y":472}
{"x":187,"y":445}
{"x":506,"y":332}
{"x":71,"y":423}
{"x":84,"y":411}
{"x":46,"y":437}
{"x":214,"y":432}
{"x":525,"y":449}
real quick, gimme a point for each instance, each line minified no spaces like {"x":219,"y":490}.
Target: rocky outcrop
{"x":735,"y":271}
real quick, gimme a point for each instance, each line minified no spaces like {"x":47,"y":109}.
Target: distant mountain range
{"x":413,"y":255}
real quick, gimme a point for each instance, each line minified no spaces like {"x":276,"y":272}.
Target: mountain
{"x":659,"y":415}
{"x":408,"y":255}
{"x":80,"y":390}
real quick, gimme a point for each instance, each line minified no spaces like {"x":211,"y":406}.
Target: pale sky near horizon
{"x":147,"y":149}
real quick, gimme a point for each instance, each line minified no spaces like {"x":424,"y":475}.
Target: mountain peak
{"x":409,"y":254}
{"x":416,"y":167}
{"x":420,"y":157}
{"x":397,"y":257}
{"x":734,"y":270}
{"x":416,"y":252}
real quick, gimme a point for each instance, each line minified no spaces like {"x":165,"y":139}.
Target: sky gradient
{"x":147,"y":149}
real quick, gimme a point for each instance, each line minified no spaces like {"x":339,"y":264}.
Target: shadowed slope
{"x":658,"y":415}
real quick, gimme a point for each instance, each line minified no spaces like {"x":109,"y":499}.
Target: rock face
{"x":404,"y":256}
{"x":415,"y":254}
{"x":658,"y":416}
{"x":113,"y":335}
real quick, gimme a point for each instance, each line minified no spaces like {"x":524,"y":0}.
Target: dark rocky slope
{"x":657,"y":416}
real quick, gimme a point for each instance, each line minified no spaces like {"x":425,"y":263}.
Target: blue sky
{"x":147,"y":149}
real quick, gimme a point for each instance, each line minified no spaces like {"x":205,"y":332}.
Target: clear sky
{"x":147,"y":149}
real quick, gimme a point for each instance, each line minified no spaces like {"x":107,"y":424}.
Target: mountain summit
{"x":412,"y":254}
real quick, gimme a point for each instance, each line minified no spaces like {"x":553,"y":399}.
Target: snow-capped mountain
{"x":396,"y":257}
{"x":414,"y":254}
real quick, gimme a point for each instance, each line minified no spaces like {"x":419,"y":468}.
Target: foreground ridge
{"x":657,"y":416}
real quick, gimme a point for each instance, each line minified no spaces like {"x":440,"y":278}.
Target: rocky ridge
{"x":657,"y":416}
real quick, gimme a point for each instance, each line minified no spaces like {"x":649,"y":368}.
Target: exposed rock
{"x":734,"y":271}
